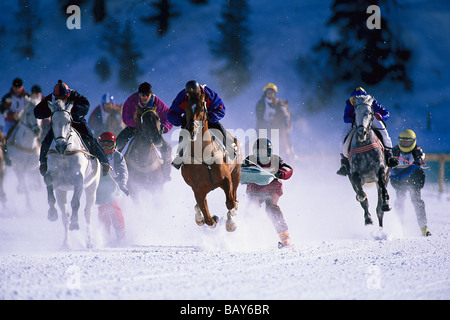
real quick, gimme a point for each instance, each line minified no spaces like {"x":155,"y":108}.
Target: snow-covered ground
{"x":167,"y":256}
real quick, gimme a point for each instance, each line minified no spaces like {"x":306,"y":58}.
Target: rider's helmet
{"x":358,"y":92}
{"x":271,"y":86}
{"x":407,"y":140}
{"x":108,"y":142}
{"x":107,"y":98}
{"x":61,"y":90}
{"x":262,"y":148}
{"x":145,"y":88}
{"x":192,"y":88}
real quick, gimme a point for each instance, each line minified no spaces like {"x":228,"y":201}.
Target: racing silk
{"x":119,"y":170}
{"x":214,"y":105}
{"x":79,"y":110}
{"x":276,"y":166}
{"x":349,"y":112}
{"x":133,"y":101}
{"x":409,"y":162}
{"x":12,"y":104}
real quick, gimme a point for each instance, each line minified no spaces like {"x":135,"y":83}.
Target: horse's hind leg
{"x":203,"y":207}
{"x":62,"y":204}
{"x":361,"y":196}
{"x":75,"y":203}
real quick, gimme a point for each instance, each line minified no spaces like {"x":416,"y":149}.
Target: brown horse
{"x":206,"y":166}
{"x":147,"y":170}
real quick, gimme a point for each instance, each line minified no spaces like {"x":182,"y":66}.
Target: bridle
{"x":198,"y":124}
{"x":143,"y":132}
{"x":70,"y":122}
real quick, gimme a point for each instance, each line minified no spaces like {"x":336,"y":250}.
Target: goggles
{"x":107,"y":144}
{"x":406,"y":142}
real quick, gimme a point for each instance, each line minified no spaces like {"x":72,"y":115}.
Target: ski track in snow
{"x":167,"y":256}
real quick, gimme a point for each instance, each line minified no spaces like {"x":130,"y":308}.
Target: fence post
{"x":441,"y":172}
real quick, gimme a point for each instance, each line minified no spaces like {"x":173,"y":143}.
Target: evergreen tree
{"x":29,"y":22}
{"x":128,"y":58}
{"x":120,"y":45}
{"x":232,"y":47}
{"x":362,"y":55}
{"x":164,"y":9}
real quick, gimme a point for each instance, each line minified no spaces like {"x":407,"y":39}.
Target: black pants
{"x":124,"y":136}
{"x":414,"y":185}
{"x":92,"y":144}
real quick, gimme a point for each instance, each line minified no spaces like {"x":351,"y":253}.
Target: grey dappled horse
{"x":70,"y":167}
{"x":367,"y":162}
{"x":23,"y":149}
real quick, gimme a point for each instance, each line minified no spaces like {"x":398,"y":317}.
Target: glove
{"x":125,"y":190}
{"x":106,"y":168}
{"x":279,"y":174}
{"x":378,"y":116}
{"x":43,"y":169}
{"x":164,"y":130}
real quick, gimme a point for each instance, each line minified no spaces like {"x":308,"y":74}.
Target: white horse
{"x":70,"y":167}
{"x":23,"y":149}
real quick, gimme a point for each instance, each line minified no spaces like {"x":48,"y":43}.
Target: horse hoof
{"x":231,"y":225}
{"x":386,"y":207}
{"x":368,"y":221}
{"x":74,"y":226}
{"x":52,"y":215}
{"x":199,"y":219}
{"x":361,"y":198}
{"x":215,"y":221}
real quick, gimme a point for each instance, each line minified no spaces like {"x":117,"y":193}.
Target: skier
{"x":270,"y":194}
{"x":110,"y":213}
{"x":381,"y":115}
{"x":409,"y":176}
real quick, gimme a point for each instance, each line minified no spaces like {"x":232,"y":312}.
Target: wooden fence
{"x":442,"y":158}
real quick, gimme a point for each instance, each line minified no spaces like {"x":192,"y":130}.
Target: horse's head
{"x":61,"y":122}
{"x":196,"y":116}
{"x":149,"y":126}
{"x":363,"y":117}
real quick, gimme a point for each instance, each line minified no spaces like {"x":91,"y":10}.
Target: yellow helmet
{"x":407,"y":140}
{"x":271,"y":86}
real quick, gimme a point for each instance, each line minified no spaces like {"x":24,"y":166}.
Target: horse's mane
{"x":139,"y":112}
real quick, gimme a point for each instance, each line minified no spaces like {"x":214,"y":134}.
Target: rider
{"x":144,"y":98}
{"x":80,"y":108}
{"x":381,"y":115}
{"x":268,"y":106}
{"x":409,"y":176}
{"x":111,"y":213}
{"x":12,"y":103}
{"x":270,"y":194}
{"x":98,"y":117}
{"x":214,"y":105}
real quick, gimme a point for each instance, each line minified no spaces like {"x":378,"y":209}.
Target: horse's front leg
{"x":383,"y":197}
{"x":231,"y":204}
{"x":52,"y":212}
{"x":75,"y":202}
{"x":361,"y":196}
{"x":202,"y":205}
{"x":61,"y":197}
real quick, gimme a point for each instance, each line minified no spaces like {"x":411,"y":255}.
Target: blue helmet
{"x":107,"y":98}
{"x":358,"y":92}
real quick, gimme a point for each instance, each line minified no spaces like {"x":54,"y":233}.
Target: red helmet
{"x":61,"y":90}
{"x":108,"y":142}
